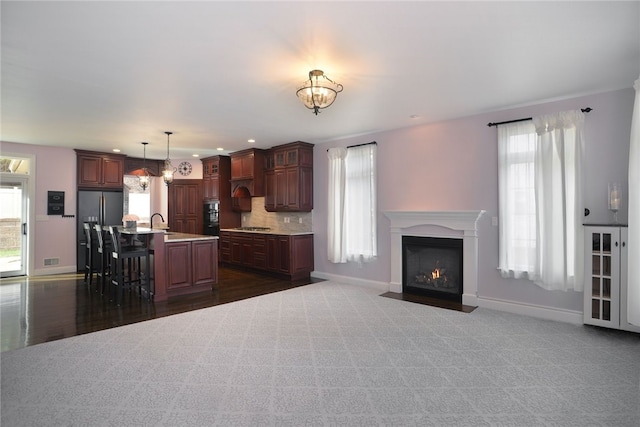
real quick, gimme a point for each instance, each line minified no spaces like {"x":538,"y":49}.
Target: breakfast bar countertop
{"x":169,"y":236}
{"x":183,"y":237}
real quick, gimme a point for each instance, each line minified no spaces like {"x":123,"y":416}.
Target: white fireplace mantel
{"x":465,"y":221}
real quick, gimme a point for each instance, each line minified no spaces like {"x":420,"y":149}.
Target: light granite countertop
{"x":169,"y":236}
{"x":279,"y":232}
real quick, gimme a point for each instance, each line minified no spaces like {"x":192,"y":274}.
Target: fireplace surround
{"x":450,"y":224}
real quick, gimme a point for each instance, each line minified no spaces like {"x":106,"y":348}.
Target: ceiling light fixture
{"x":167,"y":172}
{"x":319,"y":91}
{"x":144,"y":179}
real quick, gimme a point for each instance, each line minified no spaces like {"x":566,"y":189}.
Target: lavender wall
{"x":453,"y":166}
{"x":54,"y":236}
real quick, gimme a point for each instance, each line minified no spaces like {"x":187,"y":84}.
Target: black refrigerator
{"x":102,"y":207}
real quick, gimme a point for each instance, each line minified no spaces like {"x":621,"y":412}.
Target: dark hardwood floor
{"x":47,"y":308}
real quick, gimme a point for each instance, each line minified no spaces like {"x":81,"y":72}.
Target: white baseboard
{"x":55,"y":270}
{"x":371,"y":284}
{"x":541,"y":312}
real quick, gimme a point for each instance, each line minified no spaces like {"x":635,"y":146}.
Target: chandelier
{"x":144,"y":179}
{"x":167,"y":172}
{"x":319,"y":91}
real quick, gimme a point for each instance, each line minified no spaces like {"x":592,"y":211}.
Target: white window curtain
{"x":336,"y":248}
{"x":517,"y":205}
{"x":360,"y":203}
{"x":540,"y":183}
{"x":633,"y":276}
{"x":352,"y":208}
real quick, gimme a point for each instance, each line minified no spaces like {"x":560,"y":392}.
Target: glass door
{"x":602,"y":288}
{"x":13,"y":225}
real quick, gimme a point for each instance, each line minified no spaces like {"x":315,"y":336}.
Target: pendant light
{"x":144,"y":179}
{"x":167,"y":172}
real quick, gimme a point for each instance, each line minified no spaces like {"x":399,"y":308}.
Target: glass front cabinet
{"x":605,"y":290}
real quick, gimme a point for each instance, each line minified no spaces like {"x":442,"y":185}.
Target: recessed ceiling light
{"x":220,"y":149}
{"x":251,"y":141}
{"x":116,"y":150}
{"x":196,"y":155}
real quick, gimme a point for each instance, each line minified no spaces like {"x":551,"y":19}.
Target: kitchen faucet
{"x":151,"y":220}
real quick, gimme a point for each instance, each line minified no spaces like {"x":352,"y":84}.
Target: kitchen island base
{"x":184,"y":264}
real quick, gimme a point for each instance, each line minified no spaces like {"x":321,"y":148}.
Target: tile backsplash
{"x":298,"y":222}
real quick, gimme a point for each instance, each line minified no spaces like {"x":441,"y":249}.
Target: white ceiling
{"x":104,"y":75}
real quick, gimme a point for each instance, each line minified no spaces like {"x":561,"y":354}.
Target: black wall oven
{"x":211,"y":220}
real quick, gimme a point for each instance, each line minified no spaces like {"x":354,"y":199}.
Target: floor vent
{"x":51,"y":261}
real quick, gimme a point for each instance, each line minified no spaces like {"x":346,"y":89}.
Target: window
{"x":516,"y":153}
{"x":352,"y":208}
{"x":540,"y":200}
{"x":137,"y":201}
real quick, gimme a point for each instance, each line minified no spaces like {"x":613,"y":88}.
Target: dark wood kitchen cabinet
{"x":247,"y":170}
{"x":216,"y":173}
{"x":99,"y":170}
{"x":190,"y":266}
{"x":225,"y":247}
{"x":242,"y":249}
{"x":278,"y":253}
{"x":259,"y":251}
{"x":211,"y":178}
{"x":290,"y":255}
{"x":185,"y":206}
{"x":289,"y":178}
{"x":284,"y":255}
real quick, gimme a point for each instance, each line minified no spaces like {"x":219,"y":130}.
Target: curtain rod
{"x":360,"y":145}
{"x":584,"y":110}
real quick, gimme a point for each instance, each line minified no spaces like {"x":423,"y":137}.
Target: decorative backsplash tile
{"x":299,"y":222}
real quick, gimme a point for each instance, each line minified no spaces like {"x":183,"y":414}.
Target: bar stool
{"x":105,"y":247}
{"x":128,"y":257}
{"x":89,"y":265}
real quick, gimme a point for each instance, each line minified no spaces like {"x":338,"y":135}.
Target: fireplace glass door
{"x":432,"y":266}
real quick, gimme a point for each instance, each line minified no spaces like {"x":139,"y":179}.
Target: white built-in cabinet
{"x":605,"y":290}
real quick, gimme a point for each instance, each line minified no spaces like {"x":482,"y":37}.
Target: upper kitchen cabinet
{"x":211,"y":177}
{"x":295,"y":154}
{"x":247,"y":170}
{"x":289,"y":178}
{"x":100,"y":170}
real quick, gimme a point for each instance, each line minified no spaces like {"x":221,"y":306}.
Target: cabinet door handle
{"x":616,"y":244}
{"x":624,"y":244}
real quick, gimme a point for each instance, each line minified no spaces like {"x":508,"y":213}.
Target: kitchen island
{"x":287,"y":255}
{"x":183,"y":263}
